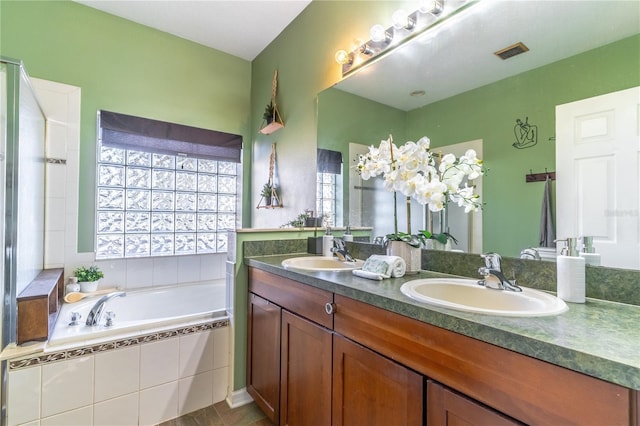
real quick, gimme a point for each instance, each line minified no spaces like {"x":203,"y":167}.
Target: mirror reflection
{"x":470,"y":94}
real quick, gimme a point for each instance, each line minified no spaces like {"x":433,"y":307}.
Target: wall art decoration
{"x":526,"y":134}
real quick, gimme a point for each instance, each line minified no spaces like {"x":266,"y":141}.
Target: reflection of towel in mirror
{"x":547,"y":234}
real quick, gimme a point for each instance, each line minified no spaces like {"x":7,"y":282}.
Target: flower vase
{"x":412,"y":255}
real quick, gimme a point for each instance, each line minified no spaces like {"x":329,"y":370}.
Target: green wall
{"x":303,"y":54}
{"x":511,"y":214}
{"x":344,"y":118}
{"x":129,"y":68}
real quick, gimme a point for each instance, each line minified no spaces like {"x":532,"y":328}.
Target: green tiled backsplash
{"x":616,"y":285}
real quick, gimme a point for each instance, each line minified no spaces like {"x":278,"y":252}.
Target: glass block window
{"x":158,"y":204}
{"x":326,"y":197}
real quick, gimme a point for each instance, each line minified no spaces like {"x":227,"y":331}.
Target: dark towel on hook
{"x":547,"y":234}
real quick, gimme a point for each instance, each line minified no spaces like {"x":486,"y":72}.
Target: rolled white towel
{"x":387,"y":266}
{"x":367,"y":274}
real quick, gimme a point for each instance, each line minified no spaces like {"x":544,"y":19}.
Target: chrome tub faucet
{"x":95,"y":315}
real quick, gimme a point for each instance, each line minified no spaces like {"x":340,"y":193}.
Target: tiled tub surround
{"x":167,"y":355}
{"x":143,"y":380}
{"x":598,"y":338}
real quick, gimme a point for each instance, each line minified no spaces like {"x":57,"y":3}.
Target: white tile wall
{"x":67,"y":385}
{"x":158,"y":404}
{"x":195,"y":392}
{"x":117,"y":373}
{"x":122,"y":411}
{"x":24,"y":395}
{"x":159,"y":362}
{"x":196,"y":354}
{"x":80,"y":417}
{"x":141,"y":384}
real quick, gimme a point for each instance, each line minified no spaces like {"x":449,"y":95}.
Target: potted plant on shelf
{"x":432,"y":180}
{"x":88,"y":278}
{"x":267,"y":193}
{"x":269,"y":113}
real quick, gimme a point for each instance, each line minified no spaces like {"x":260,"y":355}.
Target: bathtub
{"x":141,"y":312}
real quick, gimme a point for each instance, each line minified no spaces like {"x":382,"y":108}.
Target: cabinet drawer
{"x":522,"y":387}
{"x":302,"y":299}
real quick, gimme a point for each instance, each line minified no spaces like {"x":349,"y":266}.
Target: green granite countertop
{"x":598,"y":338}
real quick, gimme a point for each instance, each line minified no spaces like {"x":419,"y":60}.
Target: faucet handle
{"x":492,"y":261}
{"x":110,"y":317}
{"x":74,"y":317}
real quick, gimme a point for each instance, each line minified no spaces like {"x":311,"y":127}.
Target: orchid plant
{"x":432,"y":180}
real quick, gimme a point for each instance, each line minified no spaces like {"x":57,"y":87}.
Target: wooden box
{"x":39,"y":305}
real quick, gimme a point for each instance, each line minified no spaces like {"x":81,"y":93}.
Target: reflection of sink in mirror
{"x":320,"y":263}
{"x":467,"y":295}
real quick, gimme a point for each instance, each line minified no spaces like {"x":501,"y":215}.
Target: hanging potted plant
{"x":267,"y":193}
{"x":269,"y":113}
{"x":415,"y":172}
{"x":88,"y":278}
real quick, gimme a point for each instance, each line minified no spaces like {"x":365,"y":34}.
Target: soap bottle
{"x":347,"y":234}
{"x":571,"y":273}
{"x":589,"y":252}
{"x":327,"y":243}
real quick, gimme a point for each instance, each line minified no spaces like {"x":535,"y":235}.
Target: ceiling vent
{"x":511,"y":51}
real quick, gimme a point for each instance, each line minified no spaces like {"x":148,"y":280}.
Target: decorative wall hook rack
{"x":540,"y":177}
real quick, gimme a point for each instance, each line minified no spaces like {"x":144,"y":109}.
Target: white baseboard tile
{"x":239,"y":398}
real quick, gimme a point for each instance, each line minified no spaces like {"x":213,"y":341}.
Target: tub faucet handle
{"x":74,"y":317}
{"x":110,"y":317}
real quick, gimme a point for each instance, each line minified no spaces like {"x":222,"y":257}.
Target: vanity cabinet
{"x":355,"y":363}
{"x":447,"y":407}
{"x":263,"y":368}
{"x":369,"y":389}
{"x":324,"y":378}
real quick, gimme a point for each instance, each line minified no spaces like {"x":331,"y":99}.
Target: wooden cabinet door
{"x":263,"y":355}
{"x":305,"y":377}
{"x":445,"y":407}
{"x":369,"y":389}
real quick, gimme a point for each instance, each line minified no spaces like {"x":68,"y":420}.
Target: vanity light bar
{"x":405,"y":27}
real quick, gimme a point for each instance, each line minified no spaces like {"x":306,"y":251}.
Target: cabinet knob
{"x":330,"y":308}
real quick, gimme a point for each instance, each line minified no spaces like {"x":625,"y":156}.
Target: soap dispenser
{"x":571,"y":273}
{"x":589,"y":252}
{"x":347,"y":234}
{"x":327,"y":243}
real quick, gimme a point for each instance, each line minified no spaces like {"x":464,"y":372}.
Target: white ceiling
{"x":459,"y":56}
{"x":241,"y":28}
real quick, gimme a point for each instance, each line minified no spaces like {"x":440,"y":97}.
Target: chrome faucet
{"x":530,"y":253}
{"x":493,"y":276}
{"x":340,"y":250}
{"x":95,"y":315}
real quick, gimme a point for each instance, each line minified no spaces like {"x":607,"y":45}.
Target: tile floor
{"x":221,"y":415}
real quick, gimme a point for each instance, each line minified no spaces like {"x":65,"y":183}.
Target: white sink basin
{"x":320,"y":263}
{"x":467,"y":295}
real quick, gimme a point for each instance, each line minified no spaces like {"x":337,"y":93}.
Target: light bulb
{"x":401,"y":20}
{"x":342,"y":57}
{"x":378,"y":33}
{"x":430,"y":6}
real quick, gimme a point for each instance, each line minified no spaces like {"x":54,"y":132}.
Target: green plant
{"x":267,"y":190}
{"x":298,"y":222}
{"x":92,"y":273}
{"x":416,"y":240}
{"x":269,"y":112}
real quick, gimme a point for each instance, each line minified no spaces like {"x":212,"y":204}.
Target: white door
{"x":598,"y":183}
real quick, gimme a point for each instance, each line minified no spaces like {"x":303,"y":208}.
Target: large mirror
{"x":449,"y":85}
